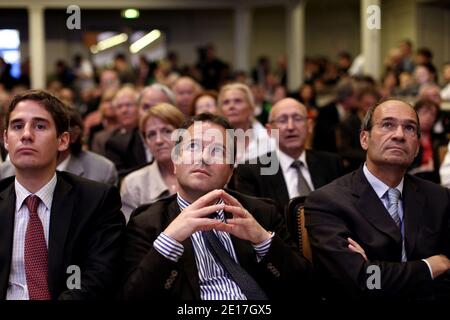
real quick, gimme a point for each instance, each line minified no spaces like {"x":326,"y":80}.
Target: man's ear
{"x":310,"y":126}
{"x":5,"y":139}
{"x":269,"y":129}
{"x":364,"y":139}
{"x":63,"y":141}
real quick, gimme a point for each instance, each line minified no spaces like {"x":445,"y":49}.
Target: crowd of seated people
{"x":327,"y":136}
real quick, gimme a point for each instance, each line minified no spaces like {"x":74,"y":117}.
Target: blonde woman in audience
{"x":236,"y":104}
{"x":155,"y":180}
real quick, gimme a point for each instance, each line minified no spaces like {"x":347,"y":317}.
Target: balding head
{"x":286,"y":103}
{"x":290,"y":118}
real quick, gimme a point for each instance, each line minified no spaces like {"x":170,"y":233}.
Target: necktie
{"x":393,"y":198}
{"x":248,"y":285}
{"x":302,"y":185}
{"x":36,"y":256}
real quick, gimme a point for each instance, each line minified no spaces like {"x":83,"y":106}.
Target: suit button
{"x":167,"y":286}
{"x":174,"y":273}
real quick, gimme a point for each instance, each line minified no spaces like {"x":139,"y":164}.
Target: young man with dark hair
{"x":60,"y":235}
{"x":206,"y":242}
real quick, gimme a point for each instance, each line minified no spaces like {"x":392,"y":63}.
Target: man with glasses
{"x":207,"y":243}
{"x":379,"y":233}
{"x":296,"y":171}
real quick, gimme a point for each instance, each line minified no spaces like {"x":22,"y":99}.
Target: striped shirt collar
{"x":45,"y":193}
{"x":182,"y":203}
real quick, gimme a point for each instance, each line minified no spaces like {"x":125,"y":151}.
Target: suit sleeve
{"x":346,"y":274}
{"x":148,"y":274}
{"x":101,"y":265}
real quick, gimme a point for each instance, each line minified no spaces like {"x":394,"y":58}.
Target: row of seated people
{"x":375,"y":218}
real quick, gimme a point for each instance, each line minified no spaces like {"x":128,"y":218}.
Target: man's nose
{"x":27,"y":133}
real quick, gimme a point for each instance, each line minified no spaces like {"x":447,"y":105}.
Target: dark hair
{"x":208,"y":93}
{"x":211,"y":118}
{"x":426,"y":104}
{"x":425,"y":52}
{"x":367,"y":123}
{"x":56,"y":108}
{"x":75,"y":120}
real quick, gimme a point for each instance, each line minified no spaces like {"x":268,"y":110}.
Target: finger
{"x":207,"y":210}
{"x":353,"y":242}
{"x":206,"y":224}
{"x":207,"y":199}
{"x":229,"y":199}
{"x":237,"y":211}
{"x":226,"y":227}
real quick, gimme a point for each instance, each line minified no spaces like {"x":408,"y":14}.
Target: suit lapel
{"x":188,"y":258}
{"x":413,"y":206}
{"x":278,"y":185}
{"x":372,"y":208}
{"x":7,"y":211}
{"x":316,"y":172}
{"x":61,"y":214}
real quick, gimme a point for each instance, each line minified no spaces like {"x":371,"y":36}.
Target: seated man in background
{"x":379,"y":233}
{"x":205,"y":242}
{"x":301,"y":170}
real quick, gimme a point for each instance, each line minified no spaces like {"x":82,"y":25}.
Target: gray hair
{"x":159,"y":87}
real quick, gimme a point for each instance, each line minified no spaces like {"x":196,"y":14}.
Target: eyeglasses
{"x":410,"y":129}
{"x":283,"y":120}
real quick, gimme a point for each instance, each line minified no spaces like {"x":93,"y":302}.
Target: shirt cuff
{"x":262,"y":248}
{"x":168,"y":247}
{"x":429,"y":268}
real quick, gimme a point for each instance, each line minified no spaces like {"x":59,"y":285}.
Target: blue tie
{"x":393,"y":197}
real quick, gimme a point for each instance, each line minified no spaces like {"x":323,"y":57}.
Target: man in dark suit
{"x":60,"y":235}
{"x":379,"y":232}
{"x":125,"y":147}
{"x":288,"y":118}
{"x":331,"y":115}
{"x":170,"y":250}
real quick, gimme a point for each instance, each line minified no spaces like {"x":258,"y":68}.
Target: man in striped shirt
{"x":168,"y":252}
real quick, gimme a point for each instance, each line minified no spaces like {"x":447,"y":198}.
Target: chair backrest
{"x":295,"y":221}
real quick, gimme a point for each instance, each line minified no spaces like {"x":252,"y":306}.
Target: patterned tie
{"x":245,"y":281}
{"x":302,"y":185}
{"x":393,"y":198}
{"x":36,"y":256}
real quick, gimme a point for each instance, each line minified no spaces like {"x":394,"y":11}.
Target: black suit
{"x":325,"y":128}
{"x":282,"y":273}
{"x":3,"y":151}
{"x":349,"y":207}
{"x":126,"y":150}
{"x":323,"y":167}
{"x":86,"y":229}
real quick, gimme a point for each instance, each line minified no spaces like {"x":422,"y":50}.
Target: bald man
{"x":185,"y":90}
{"x":297,"y":171}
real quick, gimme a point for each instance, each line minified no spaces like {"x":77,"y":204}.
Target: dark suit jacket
{"x":349,"y":207}
{"x":282,"y":273}
{"x":86,"y":229}
{"x":324,"y":167}
{"x":325,"y":129}
{"x":126,"y":150}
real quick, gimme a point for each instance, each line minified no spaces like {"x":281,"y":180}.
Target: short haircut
{"x":367,"y":123}
{"x":208,"y":93}
{"x":165,"y":112}
{"x":159,"y":87}
{"x":126,"y":89}
{"x":54,"y":106}
{"x":426,"y":104}
{"x":214,"y":119}
{"x":75,"y":120}
{"x":237,"y":86}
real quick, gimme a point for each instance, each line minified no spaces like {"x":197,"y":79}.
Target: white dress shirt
{"x":291,"y":174}
{"x":17,"y":283}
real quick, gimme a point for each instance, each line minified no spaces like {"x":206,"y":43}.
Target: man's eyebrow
{"x":35,"y":119}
